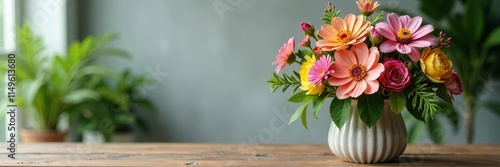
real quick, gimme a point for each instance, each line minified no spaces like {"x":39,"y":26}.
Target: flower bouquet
{"x":360,"y":62}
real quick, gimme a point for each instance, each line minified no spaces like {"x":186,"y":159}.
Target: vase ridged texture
{"x":355,"y":142}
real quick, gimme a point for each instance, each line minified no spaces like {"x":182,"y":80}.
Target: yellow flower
{"x":304,"y":75}
{"x":436,"y":65}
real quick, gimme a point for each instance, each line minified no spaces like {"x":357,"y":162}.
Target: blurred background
{"x":208,"y":62}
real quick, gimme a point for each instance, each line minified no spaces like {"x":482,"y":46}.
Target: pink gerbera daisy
{"x":356,"y":71}
{"x":284,"y":53}
{"x":405,"y":35}
{"x":320,"y":70}
{"x":305,"y":41}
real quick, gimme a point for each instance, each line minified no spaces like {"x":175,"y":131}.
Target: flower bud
{"x":307,"y":28}
{"x":453,"y":84}
{"x":375,"y":37}
{"x":366,"y":7}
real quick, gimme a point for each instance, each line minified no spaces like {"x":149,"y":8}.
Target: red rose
{"x":453,"y":84}
{"x":396,"y":77}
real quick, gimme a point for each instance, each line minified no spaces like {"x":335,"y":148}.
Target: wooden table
{"x":188,"y":154}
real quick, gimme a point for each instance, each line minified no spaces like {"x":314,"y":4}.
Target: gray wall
{"x":213,"y":67}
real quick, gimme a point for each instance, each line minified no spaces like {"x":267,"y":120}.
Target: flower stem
{"x":469,"y":118}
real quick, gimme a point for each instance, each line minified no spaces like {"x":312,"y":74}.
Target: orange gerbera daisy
{"x":356,"y":71}
{"x":341,"y":33}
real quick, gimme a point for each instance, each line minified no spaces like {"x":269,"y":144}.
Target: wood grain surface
{"x":197,"y":154}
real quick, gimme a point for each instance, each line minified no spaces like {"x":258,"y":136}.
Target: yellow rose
{"x":436,"y":65}
{"x":304,"y":77}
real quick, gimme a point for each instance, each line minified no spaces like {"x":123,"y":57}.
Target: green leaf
{"x":298,"y":112}
{"x":397,"y":102}
{"x":494,"y":107}
{"x":125,"y":118}
{"x":493,"y":38}
{"x":416,"y":114}
{"x":474,"y":20}
{"x":29,"y":89}
{"x":143,"y":126}
{"x":301,"y":97}
{"x":370,"y":108}
{"x":304,"y":118}
{"x":450,"y":113}
{"x":147,"y":105}
{"x":436,"y":132}
{"x":97,"y":70}
{"x":318,"y":103}
{"x":442,"y":93}
{"x":80,"y":95}
{"x":436,"y":9}
{"x":303,"y":53}
{"x":415,"y":132}
{"x":339,"y":111}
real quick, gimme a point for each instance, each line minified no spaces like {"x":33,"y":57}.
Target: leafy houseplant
{"x":475,"y":28}
{"x":118,"y":108}
{"x":359,"y":63}
{"x":49,"y":86}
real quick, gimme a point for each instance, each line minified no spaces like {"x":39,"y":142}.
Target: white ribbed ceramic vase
{"x":355,"y":142}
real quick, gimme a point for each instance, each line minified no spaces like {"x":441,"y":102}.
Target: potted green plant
{"x":116,"y":113}
{"x":49,"y":86}
{"x":474,"y":27}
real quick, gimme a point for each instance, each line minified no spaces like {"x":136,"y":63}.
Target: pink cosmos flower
{"x":356,"y":71}
{"x":305,"y":41}
{"x":453,"y":84}
{"x":320,"y":70}
{"x":396,"y":77}
{"x":284,"y":53}
{"x":405,"y":35}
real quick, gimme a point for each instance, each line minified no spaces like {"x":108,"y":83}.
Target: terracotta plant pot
{"x":31,"y":136}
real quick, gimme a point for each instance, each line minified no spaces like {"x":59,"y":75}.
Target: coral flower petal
{"x":342,"y":33}
{"x":356,"y":26}
{"x":345,"y":90}
{"x":339,"y":24}
{"x":327,"y":31}
{"x":338,"y":81}
{"x":346,"y":58}
{"x":340,"y":70}
{"x":372,"y":86}
{"x":359,"y":88}
{"x":361,"y":52}
{"x":372,"y":58}
{"x":374,"y":73}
